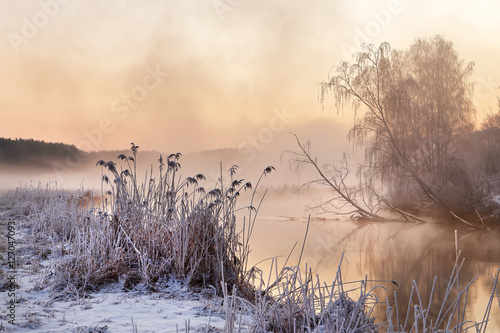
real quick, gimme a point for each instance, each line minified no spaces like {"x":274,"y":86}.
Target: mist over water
{"x":226,"y":83}
{"x":381,"y":252}
{"x":252,"y":155}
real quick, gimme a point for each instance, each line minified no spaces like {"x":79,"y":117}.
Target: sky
{"x":195,"y":75}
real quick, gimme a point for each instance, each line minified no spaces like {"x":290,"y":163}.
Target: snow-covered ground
{"x":169,"y":307}
{"x":113,"y":310}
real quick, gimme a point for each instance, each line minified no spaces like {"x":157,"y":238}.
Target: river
{"x":383,"y":252}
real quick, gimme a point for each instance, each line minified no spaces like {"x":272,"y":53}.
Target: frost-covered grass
{"x":143,"y":232}
{"x":146,"y":235}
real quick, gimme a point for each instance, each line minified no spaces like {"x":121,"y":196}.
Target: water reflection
{"x":391,"y":251}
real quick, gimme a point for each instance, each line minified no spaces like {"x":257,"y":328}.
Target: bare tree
{"x":492,"y":120}
{"x":490,"y":139}
{"x":361,"y":201}
{"x":334,"y":176}
{"x":417,"y":104}
{"x":442,"y":105}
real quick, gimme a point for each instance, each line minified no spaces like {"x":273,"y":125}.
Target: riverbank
{"x":51,"y":229}
{"x":49,"y":226}
{"x":169,"y":306}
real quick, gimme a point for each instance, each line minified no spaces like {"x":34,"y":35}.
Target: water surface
{"x":382,"y":251}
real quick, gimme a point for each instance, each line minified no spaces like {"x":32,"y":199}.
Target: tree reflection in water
{"x":393,"y":251}
{"x":420,"y":259}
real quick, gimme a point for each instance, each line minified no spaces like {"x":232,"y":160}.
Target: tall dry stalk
{"x":163,"y":227}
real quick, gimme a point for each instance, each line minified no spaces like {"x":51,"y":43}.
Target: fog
{"x":228,"y":86}
{"x":218,"y":77}
{"x":382,"y":253}
{"x":328,"y":142}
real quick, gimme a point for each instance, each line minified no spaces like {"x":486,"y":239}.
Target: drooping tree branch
{"x":335,"y":178}
{"x":416,"y":104}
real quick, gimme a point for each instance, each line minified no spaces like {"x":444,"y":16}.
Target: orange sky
{"x":193,"y":75}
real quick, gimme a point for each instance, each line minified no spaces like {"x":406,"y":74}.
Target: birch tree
{"x":410,"y":110}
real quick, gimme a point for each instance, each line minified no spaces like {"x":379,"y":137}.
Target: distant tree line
{"x":34,"y":153}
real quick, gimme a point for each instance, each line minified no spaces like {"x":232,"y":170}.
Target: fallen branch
{"x":403,"y":213}
{"x":307,"y":159}
{"x":464,"y":221}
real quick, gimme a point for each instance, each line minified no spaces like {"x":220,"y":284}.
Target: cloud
{"x":225,"y":77}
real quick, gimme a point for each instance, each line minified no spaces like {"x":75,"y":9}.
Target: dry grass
{"x":143,"y":232}
{"x":167,"y":227}
{"x":298,"y":302}
{"x":451,"y":306}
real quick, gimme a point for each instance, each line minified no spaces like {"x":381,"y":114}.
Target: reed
{"x":444,"y":313}
{"x":297,"y":301}
{"x":147,"y":232}
{"x":171,"y":227}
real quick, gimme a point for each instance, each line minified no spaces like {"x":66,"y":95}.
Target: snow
{"x":170,"y":307}
{"x":496,"y":199}
{"x":114,"y":310}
